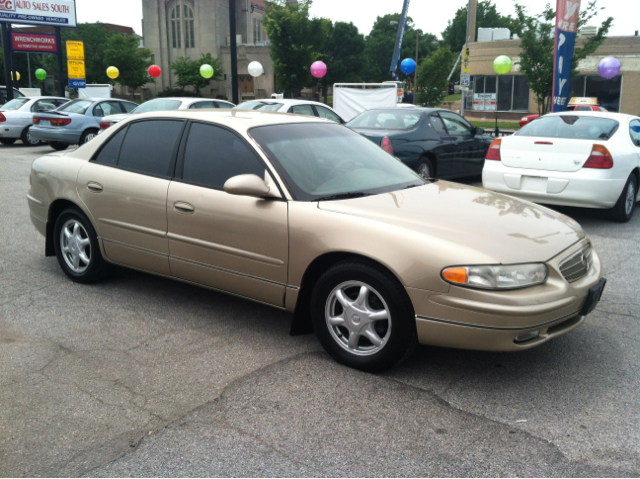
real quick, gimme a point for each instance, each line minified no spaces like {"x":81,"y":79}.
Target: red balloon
{"x":155,"y":71}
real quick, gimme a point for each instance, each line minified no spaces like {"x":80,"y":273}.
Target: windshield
{"x":14,"y":104}
{"x":318,"y":160}
{"x":386,"y":120}
{"x":76,"y":106}
{"x":259,"y":105}
{"x":571,"y":126}
{"x":157,"y":105}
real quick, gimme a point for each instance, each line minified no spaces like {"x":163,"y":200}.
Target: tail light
{"x":104,"y":125}
{"x":387,"y":146}
{"x":493,"y":153}
{"x":36,"y":120}
{"x":60,"y":121}
{"x":599,"y":158}
{"x":2,"y":117}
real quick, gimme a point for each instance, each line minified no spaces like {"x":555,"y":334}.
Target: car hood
{"x":501,"y":228}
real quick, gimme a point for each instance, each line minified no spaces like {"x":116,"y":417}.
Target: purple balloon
{"x":609,"y":67}
{"x":318,"y":69}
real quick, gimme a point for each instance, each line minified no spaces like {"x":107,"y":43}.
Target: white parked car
{"x":16,"y":117}
{"x":587,"y":159}
{"x":297,"y":107}
{"x":167,"y":104}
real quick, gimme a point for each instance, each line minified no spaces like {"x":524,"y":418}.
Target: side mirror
{"x":478,"y":131}
{"x":250,"y":185}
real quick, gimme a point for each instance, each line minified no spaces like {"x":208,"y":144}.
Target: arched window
{"x":182,"y":21}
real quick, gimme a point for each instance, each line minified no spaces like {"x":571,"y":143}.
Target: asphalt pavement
{"x":143,"y":376}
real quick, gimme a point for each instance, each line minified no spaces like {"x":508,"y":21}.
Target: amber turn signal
{"x":455,"y":275}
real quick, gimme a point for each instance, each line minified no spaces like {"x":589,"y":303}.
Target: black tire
{"x":398,"y":334}
{"x":623,"y":210}
{"x":26,"y":138}
{"x":88,"y":135}
{"x":7,"y":141}
{"x":58,"y":146}
{"x":425,"y":169}
{"x":97,"y":268}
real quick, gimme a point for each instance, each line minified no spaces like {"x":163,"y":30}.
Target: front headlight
{"x":496,"y":276}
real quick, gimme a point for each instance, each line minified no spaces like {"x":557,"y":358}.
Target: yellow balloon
{"x":17,"y":76}
{"x":113,"y":72}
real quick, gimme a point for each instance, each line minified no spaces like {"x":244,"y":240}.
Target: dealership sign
{"x":33,"y":43}
{"x":567,"y":16}
{"x":53,"y":13}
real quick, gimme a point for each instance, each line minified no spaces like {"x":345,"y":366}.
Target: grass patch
{"x":490,"y":125}
{"x":456,"y":97}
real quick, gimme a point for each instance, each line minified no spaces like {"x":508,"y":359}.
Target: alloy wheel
{"x":424,"y":171}
{"x":75,"y":246}
{"x":630,"y":199}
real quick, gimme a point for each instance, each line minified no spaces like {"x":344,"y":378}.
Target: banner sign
{"x":75,"y":50}
{"x":75,"y":68}
{"x":485,"y":101}
{"x":77,"y":83}
{"x":52,"y":13}
{"x":567,"y":14}
{"x":33,"y":43}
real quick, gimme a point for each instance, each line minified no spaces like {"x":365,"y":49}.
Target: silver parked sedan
{"x":76,"y":122}
{"x":16,"y":117}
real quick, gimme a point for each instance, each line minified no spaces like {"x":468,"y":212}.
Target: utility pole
{"x":8,"y":64}
{"x":234,"y":52}
{"x":59,"y":64}
{"x":415,"y":75}
{"x":466,"y":45}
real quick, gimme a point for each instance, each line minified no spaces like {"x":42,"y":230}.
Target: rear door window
{"x":436,"y":123}
{"x":326,"y":113}
{"x":456,"y":125}
{"x":201,"y":105}
{"x":302,"y":110}
{"x":108,"y":155}
{"x":222,"y":104}
{"x":149,"y":147}
{"x":127,"y":107}
{"x":213,"y":155}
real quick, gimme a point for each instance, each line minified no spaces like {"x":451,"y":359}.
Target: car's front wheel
{"x":59,"y":146}
{"x":623,"y":210}
{"x":76,"y":246}
{"x":363,"y":316}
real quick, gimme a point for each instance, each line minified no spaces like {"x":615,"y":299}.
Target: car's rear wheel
{"x":425,"y":169}
{"x":623,"y":210}
{"x":88,"y":135}
{"x":27,"y":139}
{"x":76,"y":246}
{"x":363,"y":317}
{"x":7,"y":141}
{"x":56,"y":145}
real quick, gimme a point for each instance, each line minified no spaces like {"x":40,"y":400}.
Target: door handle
{"x":184,"y":207}
{"x":94,"y":186}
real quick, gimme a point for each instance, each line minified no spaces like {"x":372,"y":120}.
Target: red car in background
{"x":575,"y":104}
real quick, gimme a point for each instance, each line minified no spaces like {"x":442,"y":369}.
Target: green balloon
{"x":502,"y":64}
{"x":41,"y":74}
{"x":206,"y":71}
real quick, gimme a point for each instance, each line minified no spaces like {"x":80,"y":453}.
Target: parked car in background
{"x":3,"y":94}
{"x":587,"y":159}
{"x":297,"y":107}
{"x":575,"y":104}
{"x":436,"y":143}
{"x":167,"y":104}
{"x":16,"y":117}
{"x":76,"y":122}
{"x":307,"y":216}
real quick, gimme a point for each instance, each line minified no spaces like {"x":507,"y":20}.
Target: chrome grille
{"x":577,"y":265}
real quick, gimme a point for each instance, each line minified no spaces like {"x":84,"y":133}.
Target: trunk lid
{"x":540,"y":153}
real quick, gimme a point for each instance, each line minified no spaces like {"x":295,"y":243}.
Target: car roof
{"x":598,"y":114}
{"x":287,"y":101}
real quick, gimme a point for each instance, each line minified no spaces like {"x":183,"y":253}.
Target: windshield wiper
{"x":343,"y":196}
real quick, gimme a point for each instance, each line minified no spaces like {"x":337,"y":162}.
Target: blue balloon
{"x":408,"y":66}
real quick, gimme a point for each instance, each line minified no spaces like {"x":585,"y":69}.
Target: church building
{"x":191,"y":28}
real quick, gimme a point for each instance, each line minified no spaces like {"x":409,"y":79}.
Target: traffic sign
{"x":76,"y":68}
{"x":75,"y":50}
{"x":465,"y":79}
{"x":77,"y":83}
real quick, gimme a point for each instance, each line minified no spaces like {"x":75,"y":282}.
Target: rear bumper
{"x":583,"y":188}
{"x":51,"y":134}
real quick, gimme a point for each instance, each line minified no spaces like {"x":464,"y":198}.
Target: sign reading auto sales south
{"x":53,"y":13}
{"x":567,"y":15}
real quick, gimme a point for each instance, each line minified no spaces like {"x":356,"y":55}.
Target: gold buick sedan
{"x":308,"y":216}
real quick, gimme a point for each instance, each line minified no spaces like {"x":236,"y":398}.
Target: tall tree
{"x":486,"y":17}
{"x":295,"y":39}
{"x":537,"y":44}
{"x":188,"y":71}
{"x":432,"y":76}
{"x":125,"y":53}
{"x":381,"y":41}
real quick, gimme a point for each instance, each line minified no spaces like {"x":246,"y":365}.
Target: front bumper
{"x":584,"y":188}
{"x":56,"y":134}
{"x":496,"y":320}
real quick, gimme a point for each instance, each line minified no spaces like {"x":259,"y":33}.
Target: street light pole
{"x":415,"y":75}
{"x":234,"y":52}
{"x":8,"y":66}
{"x":466,"y":45}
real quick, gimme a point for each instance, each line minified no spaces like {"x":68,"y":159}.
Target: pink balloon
{"x":318,"y":69}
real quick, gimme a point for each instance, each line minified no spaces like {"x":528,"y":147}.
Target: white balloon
{"x":255,"y":69}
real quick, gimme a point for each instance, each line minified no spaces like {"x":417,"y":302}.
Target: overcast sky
{"x":429,"y":15}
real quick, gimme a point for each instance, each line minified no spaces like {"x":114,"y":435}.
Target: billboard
{"x":567,"y":15}
{"x":52,"y":13}
{"x":33,"y":43}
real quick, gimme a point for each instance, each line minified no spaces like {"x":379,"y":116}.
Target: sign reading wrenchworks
{"x":33,"y":43}
{"x":567,"y":16}
{"x":53,"y":13}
